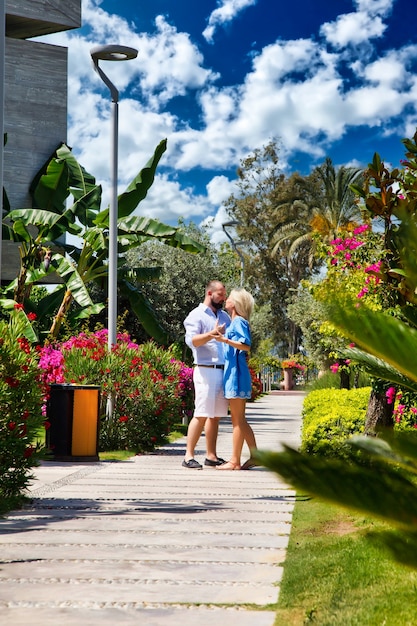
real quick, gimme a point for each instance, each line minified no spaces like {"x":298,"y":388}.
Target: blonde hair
{"x":243,"y":302}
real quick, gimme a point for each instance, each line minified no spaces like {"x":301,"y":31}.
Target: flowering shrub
{"x":405,"y":408}
{"x":149,"y":389}
{"x":256,"y":385}
{"x":21,"y":419}
{"x":291,"y":364}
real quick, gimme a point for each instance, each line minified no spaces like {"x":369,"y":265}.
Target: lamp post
{"x":235,"y":245}
{"x":2,"y":80}
{"x":112,"y":53}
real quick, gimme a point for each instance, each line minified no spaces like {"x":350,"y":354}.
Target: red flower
{"x":28,"y":452}
{"x":18,"y":307}
{"x":11,"y":381}
{"x":24,"y":344}
{"x":11,"y":425}
{"x":123,"y":418}
{"x":32,"y":317}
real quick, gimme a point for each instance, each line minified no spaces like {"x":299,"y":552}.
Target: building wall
{"x":35,"y":89}
{"x":31,"y":18}
{"x":35,"y":112}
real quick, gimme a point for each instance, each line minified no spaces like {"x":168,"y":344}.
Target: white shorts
{"x":209,"y":395}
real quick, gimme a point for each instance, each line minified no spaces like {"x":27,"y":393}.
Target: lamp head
{"x":113,"y":53}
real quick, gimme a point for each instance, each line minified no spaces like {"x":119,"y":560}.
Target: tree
{"x":381,"y":481}
{"x":329,"y":208}
{"x":265,"y":203}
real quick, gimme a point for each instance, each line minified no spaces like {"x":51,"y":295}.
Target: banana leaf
{"x":49,"y":189}
{"x":138,"y":226}
{"x":144,"y":312}
{"x":72,"y":279}
{"x":139,"y":187}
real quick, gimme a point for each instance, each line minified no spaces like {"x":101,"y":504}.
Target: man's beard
{"x":216,"y":305}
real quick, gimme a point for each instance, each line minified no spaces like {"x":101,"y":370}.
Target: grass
{"x":335,"y":576}
{"x":116,"y":455}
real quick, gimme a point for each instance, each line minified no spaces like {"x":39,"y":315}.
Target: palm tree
{"x":331,"y":208}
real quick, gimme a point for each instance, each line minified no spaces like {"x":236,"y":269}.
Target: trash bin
{"x":73,"y":414}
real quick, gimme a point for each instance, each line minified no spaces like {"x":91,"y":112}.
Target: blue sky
{"x":220,"y":78}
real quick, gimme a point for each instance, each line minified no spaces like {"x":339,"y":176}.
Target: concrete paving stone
{"x":132,"y":614}
{"x":114,"y":553}
{"x":146,"y":540}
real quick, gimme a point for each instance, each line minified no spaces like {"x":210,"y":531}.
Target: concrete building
{"x":35,"y":89}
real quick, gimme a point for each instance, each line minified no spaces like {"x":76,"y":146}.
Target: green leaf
{"x":144,"y":312}
{"x":49,"y":189}
{"x":382,"y":492}
{"x":35,"y":217}
{"x":86,"y":312}
{"x":149,"y":228}
{"x":379,"y":368}
{"x":72,"y":279}
{"x":138,"y":188}
{"x":19,"y":317}
{"x":21,"y":231}
{"x":379,"y":334}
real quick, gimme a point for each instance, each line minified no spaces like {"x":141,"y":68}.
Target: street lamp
{"x":2,"y":73}
{"x":235,"y":245}
{"x":112,"y":53}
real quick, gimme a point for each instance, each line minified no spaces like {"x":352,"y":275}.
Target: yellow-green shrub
{"x":330,"y":417}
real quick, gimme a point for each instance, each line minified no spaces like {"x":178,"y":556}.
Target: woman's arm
{"x":235,"y":344}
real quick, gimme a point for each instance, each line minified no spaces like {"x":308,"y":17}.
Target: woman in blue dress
{"x":237,"y":379}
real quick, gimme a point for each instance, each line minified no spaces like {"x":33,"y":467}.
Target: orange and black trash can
{"x":73,"y":414}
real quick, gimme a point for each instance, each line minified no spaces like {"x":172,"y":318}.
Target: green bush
{"x":330,"y":417}
{"x":21,"y":400}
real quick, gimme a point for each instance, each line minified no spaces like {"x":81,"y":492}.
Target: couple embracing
{"x":220,"y":343}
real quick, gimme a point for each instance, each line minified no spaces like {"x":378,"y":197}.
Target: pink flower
{"x":390,"y":394}
{"x":361,"y":229}
{"x":335,"y":368}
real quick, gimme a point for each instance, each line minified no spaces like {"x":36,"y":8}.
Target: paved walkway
{"x":148,"y":541}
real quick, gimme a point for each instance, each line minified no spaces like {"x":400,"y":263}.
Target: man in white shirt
{"x":202,"y":325}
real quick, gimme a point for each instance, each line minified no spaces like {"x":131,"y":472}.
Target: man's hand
{"x":220,"y":328}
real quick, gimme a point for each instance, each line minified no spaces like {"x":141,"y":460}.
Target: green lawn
{"x":334,"y":575}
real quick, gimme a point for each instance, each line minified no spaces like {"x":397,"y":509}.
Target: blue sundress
{"x":237,"y":379}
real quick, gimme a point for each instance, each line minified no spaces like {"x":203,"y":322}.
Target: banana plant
{"x":41,"y":229}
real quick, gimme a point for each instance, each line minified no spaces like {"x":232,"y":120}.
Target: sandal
{"x":228,"y":466}
{"x":249,"y":464}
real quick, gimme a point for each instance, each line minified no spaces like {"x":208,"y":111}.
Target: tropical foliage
{"x":41,"y":229}
{"x":385,"y":342}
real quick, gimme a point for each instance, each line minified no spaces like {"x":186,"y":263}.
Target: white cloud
{"x":352,"y":28}
{"x":295,"y":91}
{"x":375,"y":7}
{"x":219,"y":189}
{"x":170,"y":64}
{"x":226,"y":12}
